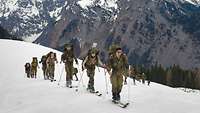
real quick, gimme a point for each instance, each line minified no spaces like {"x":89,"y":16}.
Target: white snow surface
{"x":107,"y":4}
{"x":31,"y":38}
{"x":19,"y":94}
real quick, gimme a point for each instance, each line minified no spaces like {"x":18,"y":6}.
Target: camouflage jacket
{"x":90,"y":62}
{"x":118,"y":65}
{"x":68,"y":57}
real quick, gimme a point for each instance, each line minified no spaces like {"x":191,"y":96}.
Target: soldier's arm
{"x":126,"y":66}
{"x":100,"y":62}
{"x":109,"y":66}
{"x":75,"y":59}
{"x":84,"y":62}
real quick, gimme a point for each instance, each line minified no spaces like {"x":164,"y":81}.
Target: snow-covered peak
{"x":26,"y":19}
{"x":194,"y":2}
{"x":107,"y":4}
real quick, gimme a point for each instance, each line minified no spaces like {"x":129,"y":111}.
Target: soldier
{"x":51,"y":60}
{"x":34,"y":66}
{"x":132,"y":74}
{"x":44,"y":66}
{"x":28,"y":69}
{"x":68,"y":58}
{"x":89,"y":63}
{"x":118,"y":63}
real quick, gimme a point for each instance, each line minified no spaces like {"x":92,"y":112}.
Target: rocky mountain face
{"x":26,"y":19}
{"x":166,"y":32}
{"x":5,"y":35}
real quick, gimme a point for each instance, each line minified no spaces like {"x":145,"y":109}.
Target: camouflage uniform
{"x":68,"y":58}
{"x":34,"y":65}
{"x":90,"y":63}
{"x":44,"y":66}
{"x":28,"y":69}
{"x":119,"y":66}
{"x":51,"y":65}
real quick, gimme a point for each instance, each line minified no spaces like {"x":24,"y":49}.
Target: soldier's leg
{"x":149,"y":82}
{"x":36,"y":73}
{"x":67,"y":76}
{"x":76,"y":77}
{"x":119,"y":86}
{"x":113,"y":79}
{"x":53,"y":70}
{"x":88,"y":74}
{"x":143,"y":81}
{"x":44,"y":72}
{"x":134,"y":80}
{"x":91,"y":81}
{"x":29,"y":74}
{"x":70,"y":74}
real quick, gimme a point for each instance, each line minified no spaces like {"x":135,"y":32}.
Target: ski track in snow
{"x":21,"y":95}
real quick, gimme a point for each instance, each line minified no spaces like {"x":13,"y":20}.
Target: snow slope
{"x":21,"y":95}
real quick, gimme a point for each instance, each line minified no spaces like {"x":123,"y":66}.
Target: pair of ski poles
{"x":81,"y":75}
{"x":128,"y":90}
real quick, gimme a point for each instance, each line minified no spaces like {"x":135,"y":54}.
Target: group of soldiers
{"x":48,"y":66}
{"x":116,"y":65}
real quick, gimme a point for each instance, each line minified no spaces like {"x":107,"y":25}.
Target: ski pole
{"x":106,"y":81}
{"x":80,"y":80}
{"x":61,"y":75}
{"x":129,"y":89}
{"x":98,"y":68}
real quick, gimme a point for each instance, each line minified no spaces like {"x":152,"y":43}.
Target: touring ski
{"x":120,"y":104}
{"x":95,"y":92}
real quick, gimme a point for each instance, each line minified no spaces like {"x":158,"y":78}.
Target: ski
{"x":97,"y":93}
{"x":120,"y":104}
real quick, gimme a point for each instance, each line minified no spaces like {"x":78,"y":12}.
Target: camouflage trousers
{"x":44,"y":69}
{"x":90,"y":74}
{"x":28,"y":73}
{"x":117,"y":83}
{"x":69,"y":73}
{"x":33,"y":72}
{"x":50,"y":71}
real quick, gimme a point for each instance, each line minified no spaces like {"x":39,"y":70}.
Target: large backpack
{"x":27,"y":66}
{"x":90,"y":51}
{"x":34,"y":62}
{"x":112,"y":49}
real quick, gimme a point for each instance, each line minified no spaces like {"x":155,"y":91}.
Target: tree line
{"x":173,"y":76}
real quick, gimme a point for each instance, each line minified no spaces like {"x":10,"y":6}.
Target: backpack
{"x":34,"y":62}
{"x":67,"y":45}
{"x":112,"y":49}
{"x":27,"y":65}
{"x":90,"y":51}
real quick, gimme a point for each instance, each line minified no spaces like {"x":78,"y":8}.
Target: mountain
{"x":26,"y":19}
{"x":160,"y":31}
{"x":22,"y":95}
{"x":150,"y":31}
